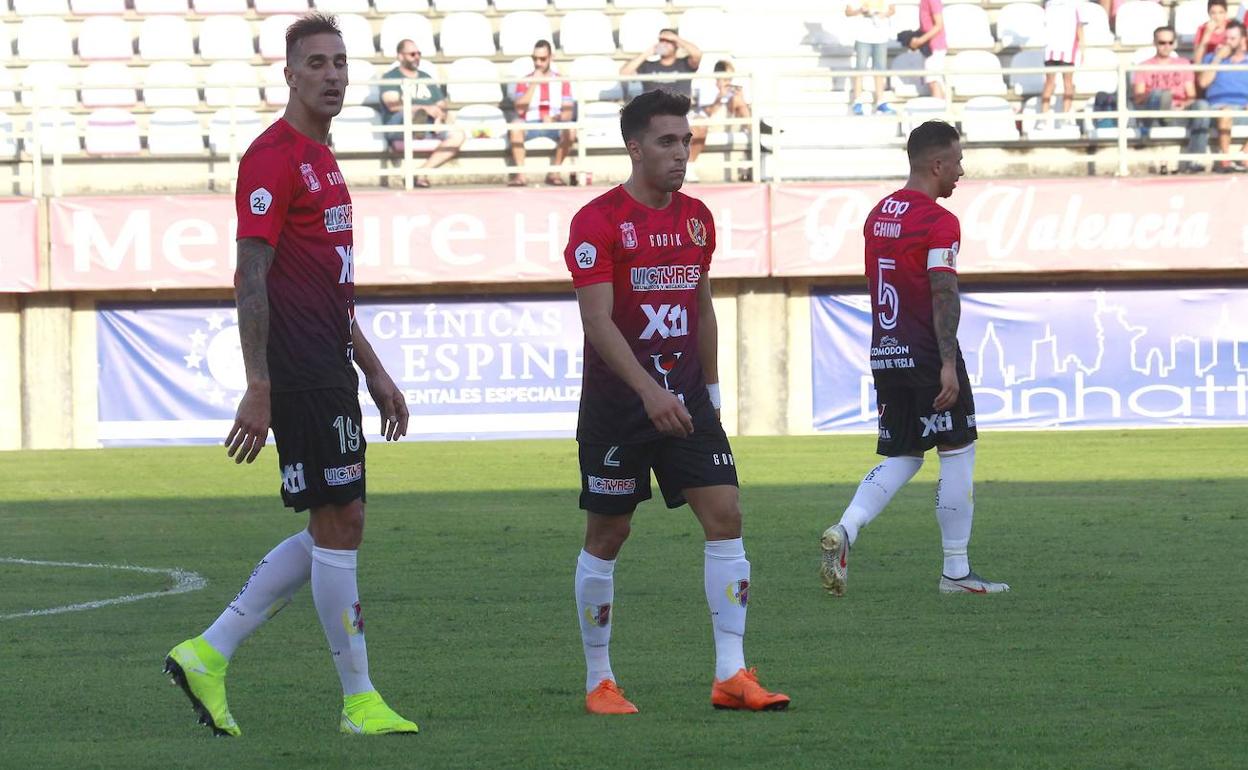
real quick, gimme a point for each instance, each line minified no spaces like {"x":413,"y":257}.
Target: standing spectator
{"x":1227,"y":90}
{"x":541,"y":99}
{"x":725,"y":100}
{"x":1172,"y":90}
{"x":666,"y":63}
{"x":871,"y":45}
{"x":428,"y":108}
{"x":1063,"y":36}
{"x":932,"y":35}
{"x":1212,"y":33}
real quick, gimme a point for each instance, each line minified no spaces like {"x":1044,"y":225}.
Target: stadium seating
{"x":89,"y":7}
{"x":596,"y":90}
{"x":400,"y":6}
{"x":275,"y":91}
{"x":1136,"y":20}
{"x":44,"y":38}
{"x":1095,"y":24}
{"x":967,"y":27}
{"x":8,"y":142}
{"x":272,"y":37}
{"x":1188,"y":16}
{"x":409,"y":26}
{"x":353,"y":131}
{"x":1088,"y":81}
{"x":174,"y":131}
{"x":586,"y":32}
{"x":639,"y":28}
{"x":1021,"y":24}
{"x":485,"y":127}
{"x":41,"y":7}
{"x":103,"y":38}
{"x":281,"y":6}
{"x":165,"y":38}
{"x":467,"y":34}
{"x":988,"y":119}
{"x":112,"y":131}
{"x":170,"y":84}
{"x":708,"y":28}
{"x":357,"y":36}
{"x":207,"y":7}
{"x":225,"y":38}
{"x":231,"y":130}
{"x":449,"y":6}
{"x":109,"y":84}
{"x":231,"y":83}
{"x":1029,"y":84}
{"x":473,"y":80}
{"x":57,"y":132}
{"x":146,"y":7}
{"x":968,"y":78}
{"x":8,"y":89}
{"x":520,"y":5}
{"x":342,"y":6}
{"x":359,"y":72}
{"x":640,"y":3}
{"x":519,"y":30}
{"x":49,"y":84}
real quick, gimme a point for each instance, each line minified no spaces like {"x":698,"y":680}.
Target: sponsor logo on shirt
{"x":309,"y":177}
{"x":889,"y":346}
{"x":338,"y":218}
{"x":665,"y":321}
{"x":337,"y":477}
{"x":293,"y":480}
{"x":628,"y":234}
{"x":261,"y":199}
{"x":586,"y":255}
{"x":659,"y":240}
{"x":665,"y":277}
{"x":664,"y":363}
{"x":936,"y":423}
{"x":346,"y":254}
{"x":335,"y":178}
{"x":894,"y":208}
{"x":697,"y":231}
{"x":601,"y":486}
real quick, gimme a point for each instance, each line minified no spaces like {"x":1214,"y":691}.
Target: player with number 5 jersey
{"x":295,"y":289}
{"x":922,"y":390}
{"x":640,"y":257}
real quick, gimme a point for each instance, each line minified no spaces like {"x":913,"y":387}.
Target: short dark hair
{"x":723,"y":65}
{"x":307,"y":26}
{"x":668,"y":29}
{"x":1216,"y":2}
{"x":932,"y":135}
{"x":1235,"y":24}
{"x":636,"y":115}
{"x":398,"y":48}
{"x":543,"y":43}
{"x":1164,"y":28}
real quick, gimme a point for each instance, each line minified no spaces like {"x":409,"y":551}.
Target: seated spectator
{"x":1227,"y":90}
{"x":725,"y":100}
{"x":666,"y":63}
{"x":1063,"y":35}
{"x":428,"y":108}
{"x":542,"y":99}
{"x":871,"y":37}
{"x":1212,"y":33}
{"x":1171,"y":90}
{"x":932,"y":43}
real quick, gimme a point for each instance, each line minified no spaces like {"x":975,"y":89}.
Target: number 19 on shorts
{"x":348,"y":434}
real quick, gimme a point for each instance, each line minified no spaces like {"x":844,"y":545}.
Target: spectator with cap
{"x":428,"y":107}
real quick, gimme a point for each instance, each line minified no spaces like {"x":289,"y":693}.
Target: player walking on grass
{"x":639,"y":257}
{"x":921,"y":386}
{"x":295,"y":288}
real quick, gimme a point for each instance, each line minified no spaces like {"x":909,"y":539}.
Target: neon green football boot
{"x":367,"y":714}
{"x":196,"y":667}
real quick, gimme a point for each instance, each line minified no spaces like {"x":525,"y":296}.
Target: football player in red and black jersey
{"x":295,"y":288}
{"x":640,"y":255}
{"x":922,"y":391}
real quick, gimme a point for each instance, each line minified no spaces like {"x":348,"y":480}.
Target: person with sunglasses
{"x":1171,"y":89}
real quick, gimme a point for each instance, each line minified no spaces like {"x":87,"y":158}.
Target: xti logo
{"x":936,"y":423}
{"x":348,"y":264}
{"x":292,"y":479}
{"x":665,"y":321}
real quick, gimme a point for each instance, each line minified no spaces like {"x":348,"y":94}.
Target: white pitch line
{"x":184,"y":581}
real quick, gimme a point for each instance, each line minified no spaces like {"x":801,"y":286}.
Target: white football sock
{"x":338,"y":604}
{"x":277,"y":577}
{"x":955,"y":507}
{"x":876,"y":490}
{"x":727,"y":582}
{"x":595,"y":590}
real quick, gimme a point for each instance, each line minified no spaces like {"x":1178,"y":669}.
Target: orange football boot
{"x":608,"y":698}
{"x":742,"y":691}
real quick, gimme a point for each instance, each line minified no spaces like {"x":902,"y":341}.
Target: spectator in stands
{"x":542,"y":98}
{"x":932,"y":43}
{"x":666,"y":63}
{"x":1212,"y":33}
{"x":1227,"y":90}
{"x":1063,"y":35}
{"x":428,"y":108}
{"x":724,"y":100}
{"x":871,"y":37}
{"x":1172,"y":90}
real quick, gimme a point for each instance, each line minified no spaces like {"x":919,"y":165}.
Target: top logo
{"x":697,"y":231}
{"x":894,"y":208}
{"x":309,"y":177}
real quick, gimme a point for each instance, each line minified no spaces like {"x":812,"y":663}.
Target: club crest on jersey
{"x":697,"y":231}
{"x":738,"y":592}
{"x":309,"y":177}
{"x":598,"y":614}
{"x":628,"y":234}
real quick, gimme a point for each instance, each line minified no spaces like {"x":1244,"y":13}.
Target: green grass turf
{"x":1121,"y":646}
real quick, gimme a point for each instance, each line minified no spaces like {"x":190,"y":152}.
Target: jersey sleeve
{"x":943,"y":243}
{"x":263,"y":194}
{"x":588,"y":254}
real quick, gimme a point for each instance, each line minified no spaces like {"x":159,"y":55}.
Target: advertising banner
{"x":1030,"y":226}
{"x":19,"y":260}
{"x":1087,"y":359}
{"x":501,"y":369}
{"x":429,"y":237}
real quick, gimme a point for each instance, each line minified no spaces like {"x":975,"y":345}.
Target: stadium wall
{"x":782,"y":250}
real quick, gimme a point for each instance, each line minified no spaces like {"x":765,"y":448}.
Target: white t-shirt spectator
{"x":1061,"y":21}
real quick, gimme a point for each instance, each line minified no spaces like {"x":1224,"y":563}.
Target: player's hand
{"x":668,"y":37}
{"x":251,"y":424}
{"x":948,"y":395}
{"x":669,"y":415}
{"x":391,"y":403}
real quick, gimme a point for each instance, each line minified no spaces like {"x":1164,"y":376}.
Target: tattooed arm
{"x":251,"y":295}
{"x":946,"y":312}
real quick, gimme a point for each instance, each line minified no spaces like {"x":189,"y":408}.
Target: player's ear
{"x":289,"y":75}
{"x":633,"y":145}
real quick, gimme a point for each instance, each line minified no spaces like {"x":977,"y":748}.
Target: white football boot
{"x":834,"y":568}
{"x":971,"y":584}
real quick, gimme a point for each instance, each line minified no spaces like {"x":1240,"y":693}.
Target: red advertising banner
{"x":1031,"y":226}
{"x":19,"y":259}
{"x":460,"y":236}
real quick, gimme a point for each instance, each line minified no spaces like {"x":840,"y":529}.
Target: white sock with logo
{"x":338,"y":604}
{"x":876,"y":490}
{"x":955,"y":507}
{"x":726,"y":577}
{"x":595,"y":591}
{"x":273,"y":582}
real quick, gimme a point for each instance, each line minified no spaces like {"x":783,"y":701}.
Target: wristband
{"x":712,"y":389}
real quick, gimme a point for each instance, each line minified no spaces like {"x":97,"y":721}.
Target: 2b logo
{"x":347,"y":255}
{"x":936,"y":423}
{"x":894,"y":208}
{"x":665,"y":321}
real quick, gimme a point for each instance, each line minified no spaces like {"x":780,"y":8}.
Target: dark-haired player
{"x":639,"y":256}
{"x":922,"y":390}
{"x":295,"y":288}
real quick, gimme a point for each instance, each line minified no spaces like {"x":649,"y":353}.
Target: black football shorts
{"x":909,"y":424}
{"x":616,"y":477}
{"x":320,"y":447}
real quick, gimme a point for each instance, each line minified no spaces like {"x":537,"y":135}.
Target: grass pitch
{"x":1122,"y":644}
